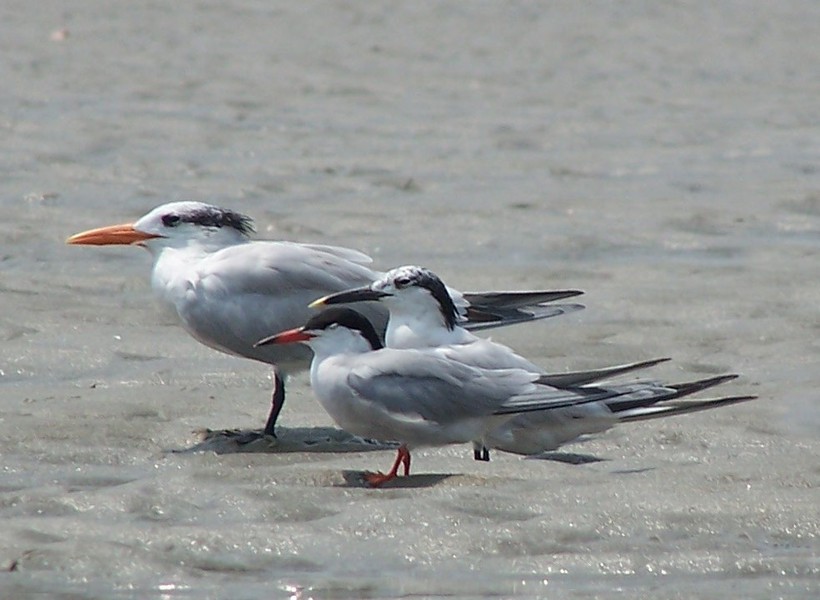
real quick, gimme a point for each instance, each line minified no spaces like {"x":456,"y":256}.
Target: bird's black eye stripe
{"x":424,"y":278}
{"x":170,"y":220}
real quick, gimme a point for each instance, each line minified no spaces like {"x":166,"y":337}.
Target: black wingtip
{"x":685,"y":389}
{"x":517,"y":299}
{"x":479,"y":318}
{"x":683,"y":408}
{"x":680,"y":390}
{"x":576,"y":378}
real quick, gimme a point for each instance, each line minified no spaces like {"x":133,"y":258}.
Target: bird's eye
{"x":402,"y":282}
{"x":170,"y":220}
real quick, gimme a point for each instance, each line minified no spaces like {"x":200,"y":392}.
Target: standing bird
{"x":422,"y":315}
{"x":229,"y":291}
{"x":414,"y":396}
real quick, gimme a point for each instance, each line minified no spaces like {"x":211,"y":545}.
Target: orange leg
{"x":402,"y":458}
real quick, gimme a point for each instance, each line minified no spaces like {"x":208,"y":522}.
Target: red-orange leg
{"x":402,"y":458}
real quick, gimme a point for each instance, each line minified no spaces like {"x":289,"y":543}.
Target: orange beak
{"x":113,"y":234}
{"x":286,"y":337}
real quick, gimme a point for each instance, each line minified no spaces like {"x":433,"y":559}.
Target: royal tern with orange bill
{"x":422,"y":315}
{"x":228,"y":291}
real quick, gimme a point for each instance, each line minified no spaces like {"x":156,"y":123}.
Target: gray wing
{"x":346,"y":254}
{"x":487,"y":354}
{"x":418,"y":384}
{"x":244,"y":293}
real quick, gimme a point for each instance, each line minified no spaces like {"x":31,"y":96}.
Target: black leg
{"x":482,"y":453}
{"x":277,"y":401}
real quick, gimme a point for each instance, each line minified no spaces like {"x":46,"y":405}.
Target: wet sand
{"x":663,"y":159}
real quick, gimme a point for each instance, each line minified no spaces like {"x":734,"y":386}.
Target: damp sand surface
{"x":663,"y":158}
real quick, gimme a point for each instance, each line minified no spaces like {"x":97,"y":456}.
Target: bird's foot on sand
{"x":569,"y":458}
{"x":402,"y":458}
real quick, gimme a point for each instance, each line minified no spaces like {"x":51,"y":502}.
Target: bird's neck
{"x":339,"y":344}
{"x":423,"y":331}
{"x":327,"y":357}
{"x":176,"y":270}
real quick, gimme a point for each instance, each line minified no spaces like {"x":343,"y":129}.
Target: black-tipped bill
{"x":362,"y":294}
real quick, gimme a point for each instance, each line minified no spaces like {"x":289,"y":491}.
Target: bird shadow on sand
{"x":356,"y":479}
{"x":568,"y":458}
{"x":288,"y":439}
{"x":633,"y":471}
{"x":322,"y":439}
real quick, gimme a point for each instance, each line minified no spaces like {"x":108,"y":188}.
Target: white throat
{"x":177,"y":263}
{"x":423,"y":329}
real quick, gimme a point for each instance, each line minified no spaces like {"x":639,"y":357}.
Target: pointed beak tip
{"x":320,"y":303}
{"x":271,"y":339}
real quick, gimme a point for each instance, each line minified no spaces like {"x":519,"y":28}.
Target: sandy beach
{"x":662,"y":158}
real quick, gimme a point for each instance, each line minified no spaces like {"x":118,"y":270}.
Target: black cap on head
{"x":210,"y":216}
{"x":346,"y":317}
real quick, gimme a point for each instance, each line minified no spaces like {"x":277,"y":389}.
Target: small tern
{"x":422,"y":315}
{"x":229,"y":291}
{"x":414,"y":396}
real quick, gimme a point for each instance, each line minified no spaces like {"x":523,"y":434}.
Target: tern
{"x":228,"y":291}
{"x":414,"y":396}
{"x":422,"y":315}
